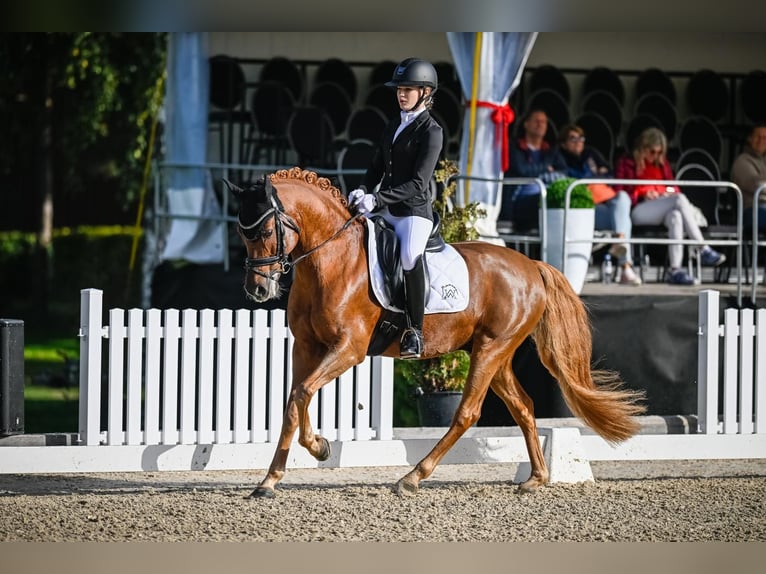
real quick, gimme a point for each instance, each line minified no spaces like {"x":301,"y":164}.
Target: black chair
{"x":356,"y":155}
{"x":271,"y":107}
{"x":659,"y":106}
{"x":753,"y":96}
{"x":636,"y":126}
{"x":286,"y":72}
{"x":311,"y":136}
{"x":604,"y":79}
{"x":700,"y":132}
{"x":715,"y":204}
{"x":448,"y":108}
{"x":553,"y":104}
{"x":549,"y":77}
{"x":608,"y":107}
{"x":227,"y":102}
{"x":707,"y":95}
{"x":332,"y":98}
{"x":366,"y":123}
{"x":382,"y":72}
{"x":384,"y":99}
{"x":699,"y":156}
{"x":598,"y":134}
{"x":339,"y":72}
{"x":448,"y":80}
{"x":655,"y":80}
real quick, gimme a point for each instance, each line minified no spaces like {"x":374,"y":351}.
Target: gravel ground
{"x":722,"y":500}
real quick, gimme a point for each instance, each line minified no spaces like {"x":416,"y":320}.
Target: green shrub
{"x":580,"y":198}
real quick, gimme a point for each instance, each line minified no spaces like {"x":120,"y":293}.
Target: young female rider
{"x":402,"y":166}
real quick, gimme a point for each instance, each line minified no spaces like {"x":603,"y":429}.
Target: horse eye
{"x":266,"y":233}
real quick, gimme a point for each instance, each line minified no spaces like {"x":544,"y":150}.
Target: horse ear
{"x":235,"y":189}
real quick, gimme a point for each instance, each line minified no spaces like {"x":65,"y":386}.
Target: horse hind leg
{"x":483,"y":366}
{"x":520,"y":405}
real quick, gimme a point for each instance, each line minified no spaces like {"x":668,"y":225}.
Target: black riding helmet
{"x":415,"y":72}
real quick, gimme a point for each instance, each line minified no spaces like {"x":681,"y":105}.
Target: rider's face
{"x":408,"y":96}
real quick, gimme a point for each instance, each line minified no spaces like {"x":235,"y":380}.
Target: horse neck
{"x":319,"y":218}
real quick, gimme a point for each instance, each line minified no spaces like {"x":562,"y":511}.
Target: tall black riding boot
{"x":411,"y":344}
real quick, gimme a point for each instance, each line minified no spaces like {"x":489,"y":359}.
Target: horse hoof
{"x":405,"y":488}
{"x":529,"y":487}
{"x":325,"y":452}
{"x":262,"y":492}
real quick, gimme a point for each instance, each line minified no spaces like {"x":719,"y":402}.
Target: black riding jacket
{"x":404,"y":167}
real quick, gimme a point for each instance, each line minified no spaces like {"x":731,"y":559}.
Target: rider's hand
{"x":366,"y":204}
{"x":355,"y":196}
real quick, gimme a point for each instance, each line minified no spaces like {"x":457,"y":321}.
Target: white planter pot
{"x":580,"y":229}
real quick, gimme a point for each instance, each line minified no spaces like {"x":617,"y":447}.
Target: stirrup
{"x":411,"y":344}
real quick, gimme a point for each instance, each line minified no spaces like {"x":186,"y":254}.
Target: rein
{"x":285,"y":265}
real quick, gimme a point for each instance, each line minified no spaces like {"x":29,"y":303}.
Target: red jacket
{"x":626,"y":169}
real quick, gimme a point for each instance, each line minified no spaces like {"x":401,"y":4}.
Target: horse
{"x":295,"y":219}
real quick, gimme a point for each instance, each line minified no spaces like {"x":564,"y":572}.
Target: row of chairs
{"x":263,"y":119}
{"x":707,"y":92}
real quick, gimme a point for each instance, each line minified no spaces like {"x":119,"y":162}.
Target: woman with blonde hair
{"x":660,"y":204}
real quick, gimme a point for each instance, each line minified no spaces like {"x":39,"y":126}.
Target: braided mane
{"x":310,"y":177}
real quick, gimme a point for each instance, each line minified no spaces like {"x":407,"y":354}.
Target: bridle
{"x":281,"y":219}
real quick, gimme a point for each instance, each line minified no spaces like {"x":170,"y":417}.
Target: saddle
{"x":446,"y":277}
{"x":388,"y":256}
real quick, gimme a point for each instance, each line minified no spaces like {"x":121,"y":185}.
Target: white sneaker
{"x":629,"y":277}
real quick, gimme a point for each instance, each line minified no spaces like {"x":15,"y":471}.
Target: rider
{"x":403,"y":165}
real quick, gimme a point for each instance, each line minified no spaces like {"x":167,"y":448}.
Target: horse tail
{"x":564,"y":344}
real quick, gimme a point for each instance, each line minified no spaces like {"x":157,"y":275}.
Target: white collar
{"x":408,"y":117}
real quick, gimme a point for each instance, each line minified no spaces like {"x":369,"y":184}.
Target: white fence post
{"x":91,"y":302}
{"x":760,"y":372}
{"x":746,"y":340}
{"x":383,"y":393}
{"x":707,"y":362}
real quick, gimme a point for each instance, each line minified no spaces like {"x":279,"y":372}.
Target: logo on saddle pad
{"x":447,"y":273}
{"x":449,"y":291}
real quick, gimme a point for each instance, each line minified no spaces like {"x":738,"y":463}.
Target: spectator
{"x":532,"y":156}
{"x":612,"y":207}
{"x":660,"y":204}
{"x":749,"y":172}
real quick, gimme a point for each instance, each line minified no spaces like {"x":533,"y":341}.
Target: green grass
{"x":50,"y":410}
{"x":49,"y":405}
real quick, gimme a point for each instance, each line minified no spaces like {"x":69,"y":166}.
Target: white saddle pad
{"x":448,"y":274}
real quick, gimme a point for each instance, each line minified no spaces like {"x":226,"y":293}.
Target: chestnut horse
{"x":301,"y":220}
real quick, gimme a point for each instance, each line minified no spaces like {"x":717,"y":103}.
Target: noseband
{"x":280,"y":220}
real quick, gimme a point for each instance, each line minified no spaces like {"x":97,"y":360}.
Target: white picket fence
{"x":210,"y":377}
{"x":205,"y":390}
{"x":731,"y":388}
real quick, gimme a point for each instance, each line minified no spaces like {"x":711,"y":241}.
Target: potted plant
{"x":580,"y":221}
{"x":437,"y":383}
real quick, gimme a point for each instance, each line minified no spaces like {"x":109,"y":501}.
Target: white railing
{"x":739,"y":372}
{"x":210,"y":377}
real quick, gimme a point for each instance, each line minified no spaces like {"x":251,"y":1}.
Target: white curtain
{"x":189,"y":190}
{"x":502,"y":58}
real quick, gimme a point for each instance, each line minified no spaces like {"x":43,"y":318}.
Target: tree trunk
{"x":45,"y":194}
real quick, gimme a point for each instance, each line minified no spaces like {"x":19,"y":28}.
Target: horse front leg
{"x":278,"y":463}
{"x":310,"y":373}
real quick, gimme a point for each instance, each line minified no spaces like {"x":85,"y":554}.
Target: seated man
{"x":532,"y":156}
{"x":749,"y":172}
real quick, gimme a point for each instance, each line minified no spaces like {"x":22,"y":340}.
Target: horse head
{"x":269,"y":236}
